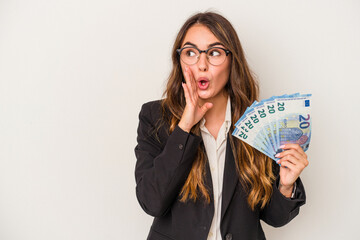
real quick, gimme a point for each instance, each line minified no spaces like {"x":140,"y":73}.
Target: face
{"x":210,"y":79}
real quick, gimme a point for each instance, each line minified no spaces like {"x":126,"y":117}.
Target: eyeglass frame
{"x":179,"y":50}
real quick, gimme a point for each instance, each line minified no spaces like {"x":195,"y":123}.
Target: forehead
{"x":199,"y":35}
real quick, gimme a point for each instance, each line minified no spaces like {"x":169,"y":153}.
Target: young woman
{"x":192,"y":175}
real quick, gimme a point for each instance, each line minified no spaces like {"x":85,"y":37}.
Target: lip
{"x":203,"y":83}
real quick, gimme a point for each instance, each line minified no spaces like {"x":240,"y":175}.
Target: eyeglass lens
{"x":215,"y":56}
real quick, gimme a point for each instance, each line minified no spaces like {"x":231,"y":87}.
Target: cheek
{"x":192,"y":69}
{"x":223,"y":75}
{"x":227,"y":72}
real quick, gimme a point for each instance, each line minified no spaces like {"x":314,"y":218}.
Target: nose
{"x":203,"y":62}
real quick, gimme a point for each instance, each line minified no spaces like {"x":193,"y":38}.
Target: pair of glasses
{"x":191,"y":55}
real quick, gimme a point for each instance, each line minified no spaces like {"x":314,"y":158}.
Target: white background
{"x":74,"y":74}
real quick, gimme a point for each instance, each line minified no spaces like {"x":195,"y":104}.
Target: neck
{"x":217,"y":112}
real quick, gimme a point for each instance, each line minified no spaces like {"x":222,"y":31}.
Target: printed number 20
{"x":303,"y":123}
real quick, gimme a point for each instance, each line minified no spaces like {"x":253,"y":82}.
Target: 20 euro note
{"x":294,"y":121}
{"x":253,"y":128}
{"x":249,"y":129}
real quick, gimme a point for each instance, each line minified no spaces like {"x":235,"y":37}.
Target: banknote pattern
{"x":275,"y":121}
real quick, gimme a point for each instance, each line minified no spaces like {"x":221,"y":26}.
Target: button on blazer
{"x":163,"y":163}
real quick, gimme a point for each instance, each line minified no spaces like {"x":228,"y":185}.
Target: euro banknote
{"x":275,"y":121}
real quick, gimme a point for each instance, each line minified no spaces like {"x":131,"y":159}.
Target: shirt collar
{"x":228,"y":115}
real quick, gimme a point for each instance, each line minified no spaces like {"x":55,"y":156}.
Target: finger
{"x":289,"y":158}
{"x":193,"y":81}
{"x":290,"y":152}
{"x":302,"y":158}
{"x":289,"y":165}
{"x":206,"y":107}
{"x":294,"y":146}
{"x":298,"y":149}
{"x":298,"y":165}
{"x":188,"y":84}
{"x":186,"y":92}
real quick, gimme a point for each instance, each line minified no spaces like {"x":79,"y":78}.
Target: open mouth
{"x":203,"y":84}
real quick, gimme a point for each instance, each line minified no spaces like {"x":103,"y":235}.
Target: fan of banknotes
{"x":268,"y":124}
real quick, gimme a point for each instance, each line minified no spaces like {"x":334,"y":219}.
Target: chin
{"x":204,"y":96}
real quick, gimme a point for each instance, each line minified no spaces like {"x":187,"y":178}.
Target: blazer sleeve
{"x":162,"y":165}
{"x":280,"y":210}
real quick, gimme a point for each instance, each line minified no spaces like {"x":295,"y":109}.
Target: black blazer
{"x":163,"y":164}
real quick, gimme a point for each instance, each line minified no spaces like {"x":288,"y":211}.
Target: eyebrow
{"x":209,"y":46}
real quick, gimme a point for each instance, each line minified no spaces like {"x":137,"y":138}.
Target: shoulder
{"x":152,"y":122}
{"x":151,"y":110}
{"x":152,"y":106}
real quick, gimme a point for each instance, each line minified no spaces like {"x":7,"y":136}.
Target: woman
{"x":192,"y":175}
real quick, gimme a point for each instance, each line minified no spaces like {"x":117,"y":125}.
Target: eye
{"x":190,"y":52}
{"x":215,"y":52}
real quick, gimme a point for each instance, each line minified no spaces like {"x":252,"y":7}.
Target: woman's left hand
{"x":293,"y":161}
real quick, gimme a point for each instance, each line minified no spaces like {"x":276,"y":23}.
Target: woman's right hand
{"x":193,"y":112}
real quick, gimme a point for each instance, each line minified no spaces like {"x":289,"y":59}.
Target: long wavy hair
{"x":254,"y":168}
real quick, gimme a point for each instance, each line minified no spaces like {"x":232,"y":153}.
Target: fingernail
{"x":277,"y":161}
{"x":277,"y":155}
{"x":282,"y":146}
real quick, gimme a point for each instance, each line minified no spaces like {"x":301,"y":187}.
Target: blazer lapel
{"x":208,"y":177}
{"x":230,"y":178}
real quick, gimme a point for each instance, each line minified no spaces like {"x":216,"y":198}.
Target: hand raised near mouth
{"x":193,"y":112}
